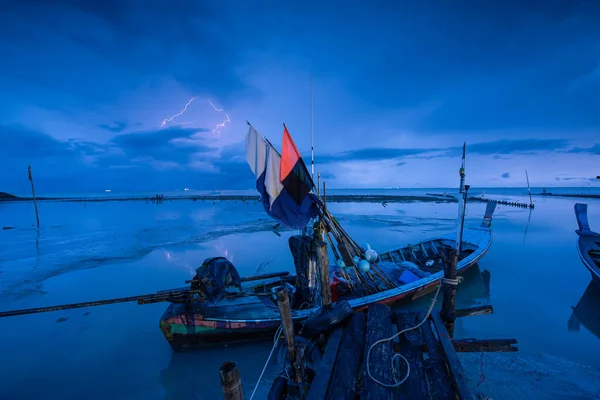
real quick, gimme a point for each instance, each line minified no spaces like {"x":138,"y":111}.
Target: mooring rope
{"x":275,"y":339}
{"x":397,"y":382}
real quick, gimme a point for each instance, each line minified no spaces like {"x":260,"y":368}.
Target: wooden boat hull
{"x":231,"y":320}
{"x":588,"y":243}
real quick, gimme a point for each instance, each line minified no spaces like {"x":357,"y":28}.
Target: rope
{"x":275,"y":339}
{"x":453,"y":282}
{"x":397,"y":382}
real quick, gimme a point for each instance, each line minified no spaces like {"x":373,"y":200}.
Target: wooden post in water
{"x":449,"y":302}
{"x":37,"y":217}
{"x":295,"y":356}
{"x":323,"y":263}
{"x":231,"y":383}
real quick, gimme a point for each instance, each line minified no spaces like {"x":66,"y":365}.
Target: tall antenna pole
{"x":312,"y":132}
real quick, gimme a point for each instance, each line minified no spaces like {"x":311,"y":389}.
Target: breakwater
{"x":579,"y":195}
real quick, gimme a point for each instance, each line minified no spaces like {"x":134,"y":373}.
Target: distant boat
{"x":588,"y":245}
{"x":186,"y":189}
{"x":107,"y":190}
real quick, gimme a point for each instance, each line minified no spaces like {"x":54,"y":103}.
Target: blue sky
{"x":89,"y":89}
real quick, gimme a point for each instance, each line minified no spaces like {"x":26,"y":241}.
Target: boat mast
{"x":462,"y":201}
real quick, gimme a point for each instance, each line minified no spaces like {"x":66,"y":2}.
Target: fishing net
{"x":214,"y":276}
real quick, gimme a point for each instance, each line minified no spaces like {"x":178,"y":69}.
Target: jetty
{"x":376,"y":352}
{"x":421,"y":364}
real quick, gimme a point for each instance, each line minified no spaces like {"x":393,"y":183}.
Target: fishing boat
{"x":358,"y":278}
{"x":588,"y":243}
{"x":255,"y":314}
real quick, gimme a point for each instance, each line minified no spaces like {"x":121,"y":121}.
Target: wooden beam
{"x":349,"y":358}
{"x":379,"y":326}
{"x":489,"y":345}
{"x":318,"y":387}
{"x":454,"y":366}
{"x":470,"y":311}
{"x":411,"y":346}
{"x":436,"y":367}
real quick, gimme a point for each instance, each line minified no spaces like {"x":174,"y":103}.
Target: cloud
{"x":97,"y":78}
{"x":117,"y":127}
{"x":503,"y":147}
{"x":595,"y":149}
{"x":505,"y":175}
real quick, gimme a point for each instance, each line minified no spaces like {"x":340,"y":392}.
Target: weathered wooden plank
{"x":319,"y":385}
{"x":454,"y":366}
{"x":470,"y":311}
{"x":411,"y":346}
{"x":487,"y":345}
{"x":379,"y":326}
{"x":343,"y":380}
{"x":436,"y":368}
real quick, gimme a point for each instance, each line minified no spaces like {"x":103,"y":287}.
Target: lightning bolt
{"x":166,"y":121}
{"x":222,"y":124}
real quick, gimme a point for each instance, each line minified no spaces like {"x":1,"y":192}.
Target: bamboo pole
{"x":37,"y":217}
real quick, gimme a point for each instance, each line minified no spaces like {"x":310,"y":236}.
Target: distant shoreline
{"x":333,"y":198}
{"x":226,"y":197}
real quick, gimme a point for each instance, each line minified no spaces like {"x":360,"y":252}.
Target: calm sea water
{"x":103,"y":250}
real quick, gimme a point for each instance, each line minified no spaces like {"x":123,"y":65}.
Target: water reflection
{"x":195,"y":375}
{"x":587,"y":311}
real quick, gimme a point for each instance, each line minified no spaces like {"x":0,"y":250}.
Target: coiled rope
{"x":453,"y":282}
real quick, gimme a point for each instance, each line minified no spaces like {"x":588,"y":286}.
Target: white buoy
{"x":356,"y":259}
{"x":364,"y":265}
{"x":371,"y":255}
{"x":340,"y":263}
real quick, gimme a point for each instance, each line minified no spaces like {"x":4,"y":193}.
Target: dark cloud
{"x":20,"y":142}
{"x":595,"y":149}
{"x":503,"y":146}
{"x":520,"y":146}
{"x":574,"y":178}
{"x":126,"y":162}
{"x":161,"y":144}
{"x":117,"y":127}
{"x":110,"y":46}
{"x":505,"y":175}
